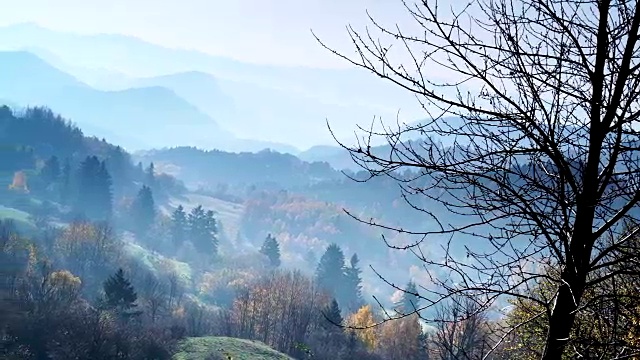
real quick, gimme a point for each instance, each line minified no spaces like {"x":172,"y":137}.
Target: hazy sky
{"x":262,"y":31}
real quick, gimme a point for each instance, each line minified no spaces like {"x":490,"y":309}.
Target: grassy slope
{"x":21,"y":219}
{"x":156,"y":262}
{"x":238,"y":349}
{"x":15,"y":214}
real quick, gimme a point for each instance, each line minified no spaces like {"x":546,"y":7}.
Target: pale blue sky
{"x":262,"y":31}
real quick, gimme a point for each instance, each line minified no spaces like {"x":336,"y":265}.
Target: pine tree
{"x":105,"y":194}
{"x":119,"y":295}
{"x":94,"y":198}
{"x":333,"y":316}
{"x":50,"y":172}
{"x":271,"y":249}
{"x":178,"y":226}
{"x":330,"y":270}
{"x":150,"y":176}
{"x":353,"y":285}
{"x":203,"y":230}
{"x":65,"y":188}
{"x":410,"y":300}
{"x":211,"y":226}
{"x":143,"y":211}
{"x":119,"y":166}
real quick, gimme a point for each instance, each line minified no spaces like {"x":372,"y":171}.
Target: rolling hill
{"x":238,"y":349}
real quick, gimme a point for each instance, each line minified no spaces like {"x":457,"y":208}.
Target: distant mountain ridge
{"x":138,"y":118}
{"x":265,"y":167}
{"x":270,"y":103}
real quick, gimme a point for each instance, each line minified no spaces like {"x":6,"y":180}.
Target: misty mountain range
{"x":145,"y":96}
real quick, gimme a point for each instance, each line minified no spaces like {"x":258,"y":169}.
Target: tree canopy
{"x":528,"y":156}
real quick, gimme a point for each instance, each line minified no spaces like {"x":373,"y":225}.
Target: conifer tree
{"x":94,"y":197}
{"x":271,"y":249}
{"x":150,"y":176}
{"x":178,"y":226}
{"x":203,"y":230}
{"x":119,"y":295}
{"x":333,"y":316}
{"x":119,"y":166}
{"x":143,"y":211}
{"x":50,"y":172}
{"x":353,"y":285}
{"x":410,"y":300}
{"x":105,"y":194}
{"x":65,"y":183}
{"x":330,"y":270}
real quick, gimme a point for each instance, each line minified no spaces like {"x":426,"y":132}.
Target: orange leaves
{"x":19,"y":182}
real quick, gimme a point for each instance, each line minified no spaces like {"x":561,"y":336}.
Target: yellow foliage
{"x":363,"y":322}
{"x":531,"y":321}
{"x":399,"y":339}
{"x":87,"y":242}
{"x":64,"y":278}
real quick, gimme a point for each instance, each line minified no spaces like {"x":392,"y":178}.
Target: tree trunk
{"x":563,"y":316}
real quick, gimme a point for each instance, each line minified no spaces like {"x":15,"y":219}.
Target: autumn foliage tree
{"x":401,"y":339}
{"x":528,"y":157}
{"x":362,"y":323}
{"x":278,"y":310}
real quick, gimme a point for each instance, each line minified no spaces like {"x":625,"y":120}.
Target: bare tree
{"x":540,"y":118}
{"x":465,"y":333}
{"x":154,"y":295}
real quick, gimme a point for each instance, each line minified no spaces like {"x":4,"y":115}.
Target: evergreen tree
{"x":333,"y":316}
{"x":119,"y":166}
{"x":203,"y":230}
{"x":65,"y":188}
{"x":211,"y":227}
{"x":143,"y":211}
{"x":271,"y":249}
{"x":94,"y":198}
{"x":178,"y":226}
{"x":50,"y":172}
{"x":105,"y":194}
{"x":410,"y":300}
{"x":330,"y":271}
{"x":119,"y":295}
{"x":353,"y":285}
{"x":150,"y":176}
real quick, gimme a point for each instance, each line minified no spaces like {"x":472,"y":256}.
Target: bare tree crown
{"x":543,"y":118}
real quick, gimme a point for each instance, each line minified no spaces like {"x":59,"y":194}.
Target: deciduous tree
{"x":528,"y":156}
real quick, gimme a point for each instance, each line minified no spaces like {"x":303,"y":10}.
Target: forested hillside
{"x":101,"y":257}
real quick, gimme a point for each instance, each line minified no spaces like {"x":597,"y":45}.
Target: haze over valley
{"x":326,"y":180}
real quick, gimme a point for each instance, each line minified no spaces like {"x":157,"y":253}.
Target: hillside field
{"x":203,"y":348}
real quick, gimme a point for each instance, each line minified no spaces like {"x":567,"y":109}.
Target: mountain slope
{"x":274,"y":102}
{"x":265,"y":167}
{"x":207,"y":93}
{"x":142,"y":117}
